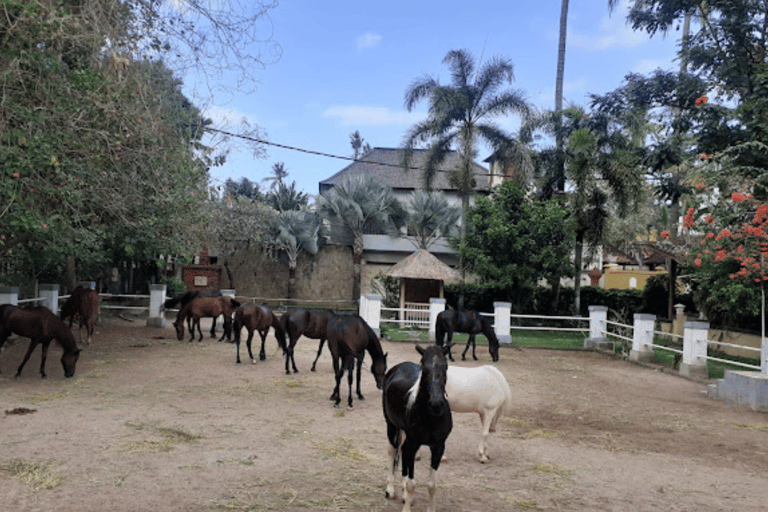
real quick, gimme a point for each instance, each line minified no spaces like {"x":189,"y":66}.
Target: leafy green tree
{"x":279,"y":173}
{"x":362,"y":205}
{"x":294,"y":232}
{"x":244,"y":188}
{"x":286,"y":197}
{"x":430,"y":217}
{"x":514,"y":241}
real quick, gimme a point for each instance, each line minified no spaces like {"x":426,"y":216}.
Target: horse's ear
{"x":420,"y":349}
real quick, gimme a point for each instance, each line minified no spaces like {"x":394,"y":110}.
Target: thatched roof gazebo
{"x":421,"y":278}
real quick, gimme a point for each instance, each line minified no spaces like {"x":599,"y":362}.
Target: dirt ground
{"x":149,"y":423}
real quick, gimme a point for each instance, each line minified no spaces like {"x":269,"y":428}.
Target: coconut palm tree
{"x":279,"y":173}
{"x":293,"y":232}
{"x":362,"y":205}
{"x":430,"y":217}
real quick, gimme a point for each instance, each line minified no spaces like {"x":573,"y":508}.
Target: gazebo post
{"x":401,"y":313}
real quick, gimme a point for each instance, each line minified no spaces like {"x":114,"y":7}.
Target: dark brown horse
{"x":255,"y":318}
{"x":83,"y":303}
{"x":470,"y":322}
{"x":41,"y":326}
{"x":312,"y":323}
{"x":185,"y":298}
{"x":415,"y":404}
{"x":349,"y":337}
{"x":209,"y":307}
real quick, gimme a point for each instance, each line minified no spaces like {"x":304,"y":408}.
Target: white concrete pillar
{"x":436,"y":306}
{"x":694,"y":363}
{"x":502,"y":321}
{"x":642,"y":338}
{"x":372,"y":311}
{"x":9,"y":295}
{"x":598,"y":325}
{"x":50,"y":296}
{"x":156,"y":309}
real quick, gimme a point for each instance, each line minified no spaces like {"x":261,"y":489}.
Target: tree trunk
{"x":357,"y":274}
{"x":71,"y":273}
{"x":559,"y":143}
{"x":577,"y":261}
{"x":291,"y":282}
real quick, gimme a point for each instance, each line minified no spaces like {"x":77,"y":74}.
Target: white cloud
{"x":354,"y":115}
{"x":613,"y":33}
{"x":367,"y":41}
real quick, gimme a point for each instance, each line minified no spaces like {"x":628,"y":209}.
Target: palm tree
{"x":460,"y":116}
{"x":279,"y":173}
{"x":359,"y":146}
{"x":293,"y":232}
{"x":362,"y":205}
{"x":559,"y":157}
{"x":430,"y":217}
{"x":286,"y":197}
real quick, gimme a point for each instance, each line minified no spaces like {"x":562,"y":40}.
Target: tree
{"x":359,"y":146}
{"x":279,"y":173}
{"x":245,"y":188}
{"x":294,"y":232}
{"x":461,"y":115}
{"x":286,"y":197}
{"x":560,"y":78}
{"x":362,"y":205}
{"x":514,"y":241}
{"x":430,"y":217}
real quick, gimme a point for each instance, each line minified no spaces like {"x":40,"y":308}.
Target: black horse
{"x":186,"y":297}
{"x":254,"y":318}
{"x":312,"y":323}
{"x":470,"y":322}
{"x":415,"y":404}
{"x":348,"y":339}
{"x":41,"y":326}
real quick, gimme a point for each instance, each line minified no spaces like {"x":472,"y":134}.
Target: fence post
{"x":9,"y":295}
{"x":370,"y":311}
{"x":598,"y":325}
{"x":694,"y":363}
{"x":642,"y":338}
{"x":436,"y":306}
{"x":502,"y":323}
{"x":50,"y":295}
{"x":156,"y":310}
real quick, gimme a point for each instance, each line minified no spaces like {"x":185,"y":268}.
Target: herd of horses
{"x":417,"y":399}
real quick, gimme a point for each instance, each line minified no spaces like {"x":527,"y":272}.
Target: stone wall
{"x":324,"y":276}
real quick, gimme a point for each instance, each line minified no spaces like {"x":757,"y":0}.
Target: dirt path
{"x":151,"y":423}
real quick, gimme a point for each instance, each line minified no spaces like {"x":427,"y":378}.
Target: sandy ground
{"x":149,"y":423}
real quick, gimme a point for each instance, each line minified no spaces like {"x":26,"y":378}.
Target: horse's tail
{"x":280,"y":326}
{"x":439,"y":332}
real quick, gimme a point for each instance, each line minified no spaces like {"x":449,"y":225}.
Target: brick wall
{"x":201,"y":277}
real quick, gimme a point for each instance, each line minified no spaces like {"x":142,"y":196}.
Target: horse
{"x":41,"y":326}
{"x":206,"y":307}
{"x":348,"y":339}
{"x":471,"y":322}
{"x":312,"y":323}
{"x":483,"y":390}
{"x":83,"y":303}
{"x":186,"y":297}
{"x":254,"y":318}
{"x":414,"y":404}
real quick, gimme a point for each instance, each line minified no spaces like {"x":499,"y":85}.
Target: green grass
{"x":546,"y":339}
{"x":716,"y":369}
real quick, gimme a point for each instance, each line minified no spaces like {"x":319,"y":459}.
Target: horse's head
{"x":434,"y":367}
{"x":379,"y":369}
{"x":68,"y":361}
{"x":493,"y":341}
{"x":179,"y":325}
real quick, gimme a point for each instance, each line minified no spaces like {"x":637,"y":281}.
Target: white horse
{"x":483,"y":390}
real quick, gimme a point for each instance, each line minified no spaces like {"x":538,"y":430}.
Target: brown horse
{"x":349,"y":337}
{"x":206,"y":307}
{"x":254,"y":318}
{"x":312,"y":323}
{"x":41,"y":326}
{"x":185,"y":299}
{"x":83,"y":303}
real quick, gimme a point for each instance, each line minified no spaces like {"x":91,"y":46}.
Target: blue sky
{"x":346,"y":66}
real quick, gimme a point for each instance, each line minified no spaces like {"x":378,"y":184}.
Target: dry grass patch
{"x":342,"y":449}
{"x":171,"y":437}
{"x":39,"y":475}
{"x":757,"y":427}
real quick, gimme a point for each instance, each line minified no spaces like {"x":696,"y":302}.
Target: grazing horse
{"x":471,"y":322}
{"x":254,"y":318}
{"x":185,"y":299}
{"x":348,"y":339}
{"x":312,"y":323}
{"x":415,"y":405}
{"x":41,"y":326}
{"x":206,"y":307}
{"x":83,"y":303}
{"x":483,"y":390}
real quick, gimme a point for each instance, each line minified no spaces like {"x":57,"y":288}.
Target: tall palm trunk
{"x":559,"y":143}
{"x":578,"y":258}
{"x":357,"y":266}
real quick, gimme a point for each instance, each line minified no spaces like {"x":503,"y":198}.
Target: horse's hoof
{"x":463,"y":358}
{"x":473,"y":357}
{"x":360,"y":397}
{"x":253,"y":361}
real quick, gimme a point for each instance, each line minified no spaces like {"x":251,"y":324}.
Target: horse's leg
{"x":293,"y":361}
{"x":350,"y":376}
{"x":450,"y":349}
{"x":263,"y":352}
{"x":408,"y":454}
{"x":339,"y":367}
{"x":319,"y":351}
{"x":213,"y":328}
{"x":32,"y":344}
{"x":199,"y":331}
{"x":393,"y":447}
{"x":248,"y":344}
{"x":237,"y":344}
{"x":359,"y":370}
{"x":486,"y":419}
{"x":437,"y":455}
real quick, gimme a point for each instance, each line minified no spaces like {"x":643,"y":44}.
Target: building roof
{"x":424,"y":265}
{"x":385,"y":165}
